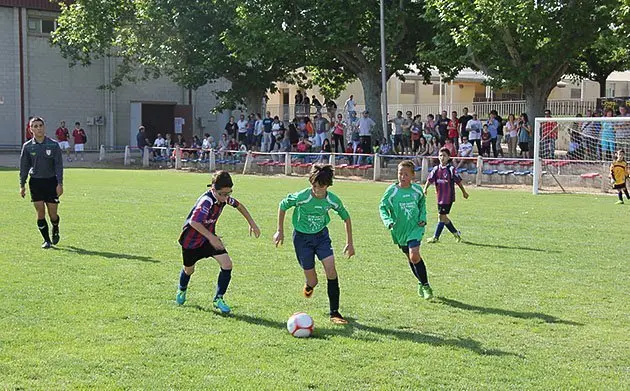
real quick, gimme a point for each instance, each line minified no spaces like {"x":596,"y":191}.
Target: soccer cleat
{"x":181,"y":297}
{"x":55,"y":235}
{"x":458,"y":236}
{"x":220,"y":304}
{"x":308,"y":291}
{"x":337,"y":318}
{"x":426,"y":290}
{"x":620,"y":202}
{"x":432,"y":240}
{"x":46,"y":245}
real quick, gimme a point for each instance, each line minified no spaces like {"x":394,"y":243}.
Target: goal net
{"x":574,"y":154}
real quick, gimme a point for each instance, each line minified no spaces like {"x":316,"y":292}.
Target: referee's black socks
{"x":42,"y":225}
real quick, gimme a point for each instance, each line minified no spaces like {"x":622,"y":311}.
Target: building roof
{"x":44,"y":5}
{"x":619,"y":76}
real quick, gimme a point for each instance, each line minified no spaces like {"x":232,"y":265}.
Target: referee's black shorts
{"x":192,"y":255}
{"x":43,"y":189}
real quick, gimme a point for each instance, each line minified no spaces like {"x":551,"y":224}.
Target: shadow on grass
{"x":106,"y":254}
{"x":356,"y":330}
{"x":498,"y":311}
{"x":500,"y":246}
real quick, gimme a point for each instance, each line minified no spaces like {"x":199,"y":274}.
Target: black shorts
{"x":43,"y":189}
{"x":192,"y":255}
{"x":524,"y":147}
{"x":444,"y":209}
{"x":242,"y":137}
{"x":619,"y":186}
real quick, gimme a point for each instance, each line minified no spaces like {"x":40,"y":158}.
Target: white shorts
{"x":64,"y":145}
{"x":78,"y":147}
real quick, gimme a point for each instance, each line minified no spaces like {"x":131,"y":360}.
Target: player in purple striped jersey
{"x":445,"y":177}
{"x":199,"y":240}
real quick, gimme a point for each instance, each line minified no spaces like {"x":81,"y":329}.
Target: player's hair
{"x":36,"y":119}
{"x":322,"y":174}
{"x":222,"y":179}
{"x":407,"y":164}
{"x":445,"y":150}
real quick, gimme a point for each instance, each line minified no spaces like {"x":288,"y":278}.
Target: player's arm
{"x":464,"y":192}
{"x":348,"y":249}
{"x":287,"y":203}
{"x":422,"y":206}
{"x":253,"y":228}
{"x":385,"y":211}
{"x":428,"y":183}
{"x":59,"y":170}
{"x":25,"y":166}
{"x":278,"y":237}
{"x":214,"y":240}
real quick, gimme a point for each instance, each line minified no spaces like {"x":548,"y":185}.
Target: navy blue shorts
{"x":410,"y":244}
{"x":444,"y":209}
{"x":309,"y":245}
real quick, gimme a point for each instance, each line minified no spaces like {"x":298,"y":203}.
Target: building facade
{"x":35,"y":80}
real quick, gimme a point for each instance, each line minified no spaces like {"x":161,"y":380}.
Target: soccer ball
{"x":300,"y":325}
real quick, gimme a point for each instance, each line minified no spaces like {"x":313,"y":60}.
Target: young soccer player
{"x":310,"y":235}
{"x":618,"y":175}
{"x":41,"y":158}
{"x":404,"y":212}
{"x":445,"y":177}
{"x":199,"y":240}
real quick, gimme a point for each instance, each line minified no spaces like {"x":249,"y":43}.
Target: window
{"x":436,"y":89}
{"x":576,"y":93}
{"x":33,"y":25}
{"x":41,"y":26}
{"x":408,"y":88}
{"x":48,"y":26}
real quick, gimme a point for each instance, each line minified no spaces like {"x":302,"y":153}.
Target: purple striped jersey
{"x":444,"y":178}
{"x":206,"y":211}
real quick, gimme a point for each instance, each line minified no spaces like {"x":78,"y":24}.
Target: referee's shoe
{"x":55,"y":234}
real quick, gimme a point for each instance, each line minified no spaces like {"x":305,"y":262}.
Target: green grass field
{"x":537,"y":297}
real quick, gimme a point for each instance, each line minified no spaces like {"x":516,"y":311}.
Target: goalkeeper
{"x":618,"y":175}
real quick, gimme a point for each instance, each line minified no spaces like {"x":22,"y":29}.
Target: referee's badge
{"x":48,"y":152}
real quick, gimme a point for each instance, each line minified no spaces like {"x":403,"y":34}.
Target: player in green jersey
{"x":403,"y":211}
{"x":310,"y":235}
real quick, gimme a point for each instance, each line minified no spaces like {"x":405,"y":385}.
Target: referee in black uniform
{"x":41,"y":158}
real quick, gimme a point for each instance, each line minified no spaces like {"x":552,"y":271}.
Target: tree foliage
{"x":193,"y":42}
{"x":340,"y":40}
{"x":520,"y":42}
{"x":609,"y":52}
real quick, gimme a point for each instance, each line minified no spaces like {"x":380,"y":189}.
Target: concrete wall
{"x":9,"y":78}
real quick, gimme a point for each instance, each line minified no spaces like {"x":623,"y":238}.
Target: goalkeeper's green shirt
{"x":311,"y":214}
{"x":403,"y":208}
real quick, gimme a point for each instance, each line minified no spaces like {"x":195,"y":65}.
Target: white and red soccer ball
{"x":300,"y":325}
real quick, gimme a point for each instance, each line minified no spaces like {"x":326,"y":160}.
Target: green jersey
{"x":402,"y":209}
{"x":311,"y":214}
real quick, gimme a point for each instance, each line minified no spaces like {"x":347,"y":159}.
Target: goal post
{"x":576,"y":152}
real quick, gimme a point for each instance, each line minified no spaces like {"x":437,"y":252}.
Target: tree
{"x":521,"y":42}
{"x":609,"y":53}
{"x":187,"y":41}
{"x":340,"y":39}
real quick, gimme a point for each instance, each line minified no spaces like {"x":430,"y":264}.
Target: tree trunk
{"x":372,"y":90}
{"x":601,"y":79}
{"x":253,"y":101}
{"x":535,"y":102}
